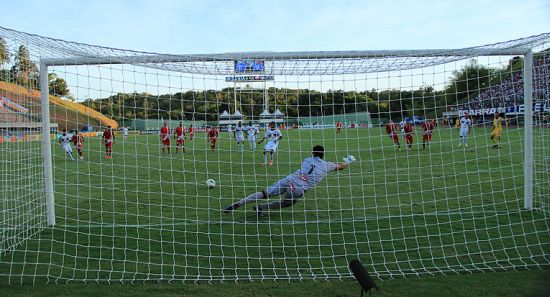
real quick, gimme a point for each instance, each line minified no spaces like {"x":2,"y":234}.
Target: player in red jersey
{"x":108,"y":140}
{"x":77,"y":139}
{"x":212,"y":137}
{"x":428,"y":127}
{"x":179,"y":135}
{"x":191,"y":132}
{"x":338,"y":127}
{"x":165,"y":137}
{"x":408,"y":129}
{"x":392,"y":130}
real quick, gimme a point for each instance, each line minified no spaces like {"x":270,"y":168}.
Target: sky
{"x":194,"y":27}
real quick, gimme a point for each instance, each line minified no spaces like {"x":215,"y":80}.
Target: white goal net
{"x":450,"y":175}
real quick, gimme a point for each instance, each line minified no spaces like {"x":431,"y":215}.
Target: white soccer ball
{"x":210,"y":183}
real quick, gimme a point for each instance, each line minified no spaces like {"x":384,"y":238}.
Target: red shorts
{"x":166,"y":141}
{"x":213,"y":140}
{"x":409,"y":139}
{"x":427,"y":137}
{"x":395,"y":138}
{"x":108,"y":144}
{"x":180,"y":142}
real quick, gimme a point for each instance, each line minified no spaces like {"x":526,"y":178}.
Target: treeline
{"x":206,"y":105}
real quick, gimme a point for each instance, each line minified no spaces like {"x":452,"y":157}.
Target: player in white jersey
{"x":252,"y":131}
{"x":273,"y":135}
{"x":125,"y":132}
{"x":314,"y":169}
{"x":465,"y":124}
{"x":65,"y":140}
{"x":238,"y":133}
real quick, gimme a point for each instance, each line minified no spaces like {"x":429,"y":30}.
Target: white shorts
{"x":464,"y":132}
{"x":68,"y":148}
{"x":251,"y":137}
{"x":271,"y":147}
{"x":239,"y":138}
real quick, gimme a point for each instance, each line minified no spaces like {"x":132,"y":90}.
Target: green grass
{"x":524,"y":283}
{"x":145,"y":217}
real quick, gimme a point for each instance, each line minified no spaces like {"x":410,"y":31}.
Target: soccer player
{"x":77,"y":139}
{"x":179,"y":135}
{"x":108,"y":140}
{"x":124,"y":132}
{"x":165,"y":138}
{"x":402,"y":126}
{"x":465,"y":124}
{"x":273,"y":134}
{"x":428,"y":127}
{"x":191,"y":132}
{"x":338,"y":127}
{"x":314,"y":169}
{"x":238,"y":133}
{"x":229,"y":130}
{"x":408,"y":130}
{"x":496,"y":134}
{"x":252,"y":131}
{"x":212,"y":137}
{"x":391,"y":130}
{"x":65,"y":140}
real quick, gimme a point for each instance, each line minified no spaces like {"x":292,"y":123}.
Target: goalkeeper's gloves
{"x":349,"y":159}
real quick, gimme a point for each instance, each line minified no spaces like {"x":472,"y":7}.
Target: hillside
{"x":65,"y":113}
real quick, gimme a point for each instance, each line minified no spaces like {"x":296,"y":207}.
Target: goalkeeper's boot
{"x":258,"y":211}
{"x":466,"y":145}
{"x":231,"y":207}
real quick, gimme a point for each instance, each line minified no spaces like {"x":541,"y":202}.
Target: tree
{"x":466,"y":81}
{"x":58,"y":86}
{"x":4,"y":58}
{"x":4,"y":54}
{"x":25,"y":71}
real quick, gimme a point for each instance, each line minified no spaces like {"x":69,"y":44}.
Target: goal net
{"x":437,"y":186}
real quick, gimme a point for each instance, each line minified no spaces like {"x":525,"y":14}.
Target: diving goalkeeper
{"x":314,"y":170}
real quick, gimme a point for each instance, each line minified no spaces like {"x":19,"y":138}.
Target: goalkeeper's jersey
{"x":497,"y":123}
{"x":313,"y":171}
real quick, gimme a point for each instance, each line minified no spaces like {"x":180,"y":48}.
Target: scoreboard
{"x":249,"y":66}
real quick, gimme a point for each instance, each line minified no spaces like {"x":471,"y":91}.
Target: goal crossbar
{"x":282,"y":56}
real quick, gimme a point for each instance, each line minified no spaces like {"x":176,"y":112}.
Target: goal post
{"x":47,"y":144}
{"x":528,"y":158}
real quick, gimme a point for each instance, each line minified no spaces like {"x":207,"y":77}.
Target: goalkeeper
{"x":314,"y":170}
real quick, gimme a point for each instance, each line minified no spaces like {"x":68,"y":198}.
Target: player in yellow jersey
{"x":496,"y":134}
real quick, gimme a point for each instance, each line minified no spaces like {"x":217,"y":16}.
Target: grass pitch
{"x":142,"y":216}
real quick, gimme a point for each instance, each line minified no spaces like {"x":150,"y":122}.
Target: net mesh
{"x":146,"y":214}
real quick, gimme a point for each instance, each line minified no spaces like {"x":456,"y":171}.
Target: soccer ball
{"x":210,"y":183}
